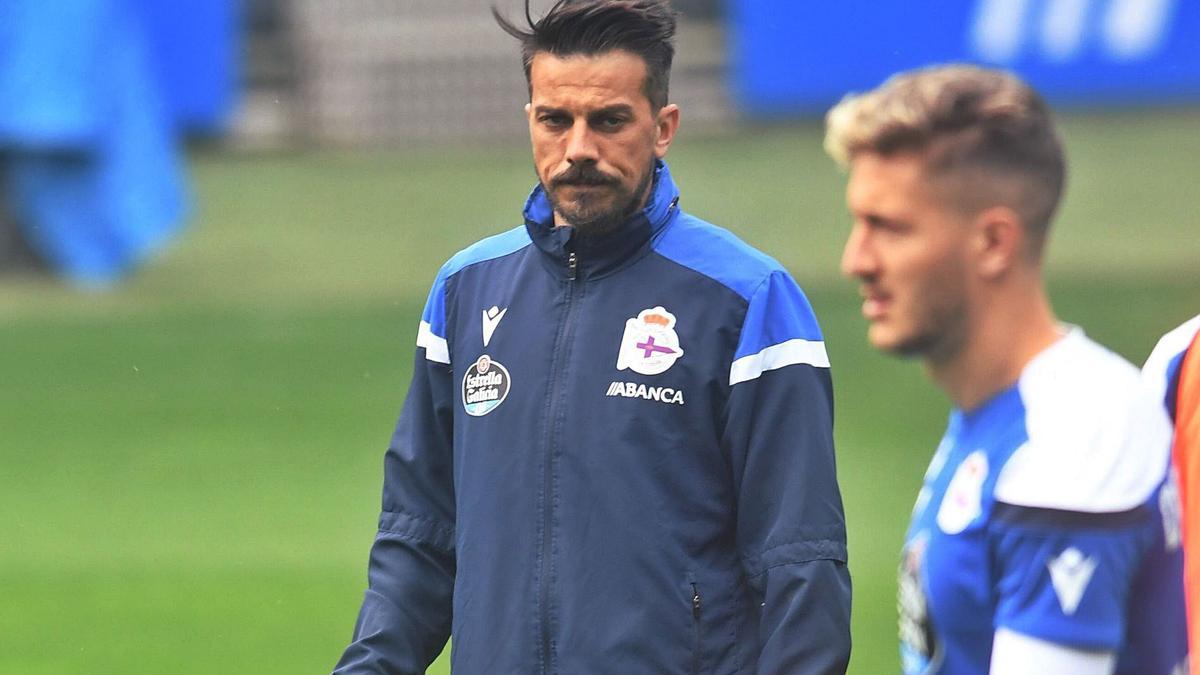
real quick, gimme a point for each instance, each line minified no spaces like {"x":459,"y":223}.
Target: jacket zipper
{"x":561,"y":356}
{"x":696,"y":623}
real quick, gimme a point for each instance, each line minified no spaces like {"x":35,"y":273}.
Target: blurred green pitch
{"x":190,"y":465}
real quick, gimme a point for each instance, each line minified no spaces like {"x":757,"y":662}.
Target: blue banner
{"x":794,"y":57}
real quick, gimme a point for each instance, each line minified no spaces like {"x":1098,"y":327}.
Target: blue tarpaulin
{"x":193,"y":45}
{"x":88,"y":157}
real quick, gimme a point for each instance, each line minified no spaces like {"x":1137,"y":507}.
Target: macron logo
{"x":491,"y":319}
{"x":1070,"y":573}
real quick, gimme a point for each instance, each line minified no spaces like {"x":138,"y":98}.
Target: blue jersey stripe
{"x":778,"y":312}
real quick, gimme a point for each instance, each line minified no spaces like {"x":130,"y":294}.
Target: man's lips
{"x":584,"y":185}
{"x":875,"y":304}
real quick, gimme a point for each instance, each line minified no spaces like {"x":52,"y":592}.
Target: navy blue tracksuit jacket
{"x":616,"y":456}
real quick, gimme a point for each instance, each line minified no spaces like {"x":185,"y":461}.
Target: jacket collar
{"x":607,"y":253}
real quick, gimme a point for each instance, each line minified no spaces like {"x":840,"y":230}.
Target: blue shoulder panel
{"x":1172,"y":395}
{"x":716,"y":253}
{"x":778,"y":310}
{"x":493,"y":247}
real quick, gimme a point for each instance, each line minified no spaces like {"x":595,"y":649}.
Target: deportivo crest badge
{"x":963,"y":501}
{"x":650,"y":345}
{"x":485,"y":386}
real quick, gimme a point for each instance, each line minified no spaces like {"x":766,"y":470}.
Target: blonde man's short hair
{"x":964,"y":120}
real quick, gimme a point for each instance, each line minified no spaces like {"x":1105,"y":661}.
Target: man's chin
{"x":889,"y":342}
{"x":585,"y":210}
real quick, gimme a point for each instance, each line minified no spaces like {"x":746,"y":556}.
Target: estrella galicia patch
{"x":919,"y":648}
{"x":485,"y":386}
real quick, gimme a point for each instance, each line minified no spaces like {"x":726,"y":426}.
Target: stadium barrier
{"x":379,"y":71}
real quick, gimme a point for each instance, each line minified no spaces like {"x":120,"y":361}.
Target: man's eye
{"x":611,"y":122}
{"x":553,"y":120}
{"x":884,"y":225}
{"x":893,"y":228}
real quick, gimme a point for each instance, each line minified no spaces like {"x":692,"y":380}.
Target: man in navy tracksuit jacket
{"x":616,"y":453}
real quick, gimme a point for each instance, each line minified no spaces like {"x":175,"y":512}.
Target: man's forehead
{"x":613,"y":76}
{"x":873,"y":175}
{"x":894,"y":184}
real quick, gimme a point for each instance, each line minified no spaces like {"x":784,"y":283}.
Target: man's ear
{"x":528,"y":111}
{"x":1000,"y":241}
{"x":666,"y":124}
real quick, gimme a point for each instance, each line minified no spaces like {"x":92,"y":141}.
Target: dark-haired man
{"x":1045,"y":539}
{"x":616,"y":453}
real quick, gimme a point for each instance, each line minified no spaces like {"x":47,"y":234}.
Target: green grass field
{"x":190,"y":464}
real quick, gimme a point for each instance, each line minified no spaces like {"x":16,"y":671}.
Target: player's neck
{"x":1006,"y":334}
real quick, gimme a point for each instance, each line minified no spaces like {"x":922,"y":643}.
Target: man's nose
{"x":857,"y":258}
{"x":581,"y":144}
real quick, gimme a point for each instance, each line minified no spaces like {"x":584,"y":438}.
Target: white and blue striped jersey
{"x":1048,"y":512}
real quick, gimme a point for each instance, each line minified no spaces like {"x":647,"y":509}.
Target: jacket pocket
{"x":716,"y":611}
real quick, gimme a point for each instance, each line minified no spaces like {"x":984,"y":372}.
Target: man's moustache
{"x":579,"y":175}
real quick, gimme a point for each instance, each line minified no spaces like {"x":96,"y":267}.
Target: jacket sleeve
{"x":404,"y":621}
{"x":791,"y":527}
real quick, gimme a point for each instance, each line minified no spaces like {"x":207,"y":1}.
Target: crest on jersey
{"x":650,"y":344}
{"x":963,"y":501}
{"x":485,"y":386}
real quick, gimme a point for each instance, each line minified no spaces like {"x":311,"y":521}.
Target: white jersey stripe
{"x":1014,"y":653}
{"x":436,"y":349}
{"x":777,"y":356}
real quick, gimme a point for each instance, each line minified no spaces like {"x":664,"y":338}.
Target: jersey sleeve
{"x":1065,"y":577}
{"x":791,"y":529}
{"x":1077,"y":522}
{"x":404,"y":620}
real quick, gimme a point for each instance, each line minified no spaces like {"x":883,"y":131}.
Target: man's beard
{"x":940,"y":333}
{"x":596,"y":214}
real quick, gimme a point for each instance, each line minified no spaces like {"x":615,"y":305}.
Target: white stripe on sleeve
{"x":777,"y":356}
{"x":1014,"y":653}
{"x":436,"y":349}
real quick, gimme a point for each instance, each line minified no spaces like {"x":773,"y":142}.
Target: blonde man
{"x":1043,"y":540}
